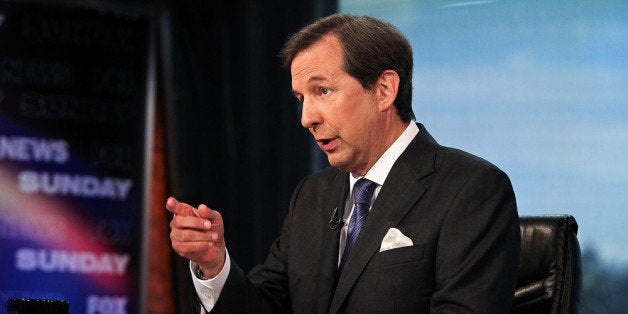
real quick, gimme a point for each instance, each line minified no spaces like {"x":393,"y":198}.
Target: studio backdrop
{"x":75,"y":112}
{"x":233,"y":135}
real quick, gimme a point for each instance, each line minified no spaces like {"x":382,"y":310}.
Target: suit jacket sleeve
{"x":477,"y":253}
{"x":265,"y":289}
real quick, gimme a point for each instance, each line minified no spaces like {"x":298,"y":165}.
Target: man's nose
{"x":310,"y":117}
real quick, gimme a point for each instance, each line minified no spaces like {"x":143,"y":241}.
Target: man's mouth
{"x":327,"y":144}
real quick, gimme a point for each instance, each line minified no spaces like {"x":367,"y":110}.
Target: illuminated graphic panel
{"x":73,"y":110}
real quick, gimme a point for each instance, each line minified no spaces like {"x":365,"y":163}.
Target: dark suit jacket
{"x":459,"y":211}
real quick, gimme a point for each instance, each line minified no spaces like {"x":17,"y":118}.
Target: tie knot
{"x":363,"y":191}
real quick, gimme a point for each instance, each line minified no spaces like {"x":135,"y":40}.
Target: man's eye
{"x":324,"y":90}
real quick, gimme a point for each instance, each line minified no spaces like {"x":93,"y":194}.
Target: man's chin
{"x":338,"y":164}
{"x":333,"y":161}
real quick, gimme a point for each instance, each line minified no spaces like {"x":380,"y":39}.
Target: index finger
{"x":179,"y":208}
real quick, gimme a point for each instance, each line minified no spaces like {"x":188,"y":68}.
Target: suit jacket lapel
{"x":331,"y":239}
{"x":398,"y":195}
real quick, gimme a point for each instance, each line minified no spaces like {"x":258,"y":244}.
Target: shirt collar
{"x":381,"y":168}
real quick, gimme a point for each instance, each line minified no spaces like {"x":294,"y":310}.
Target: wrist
{"x":211,"y":270}
{"x":198,"y":272}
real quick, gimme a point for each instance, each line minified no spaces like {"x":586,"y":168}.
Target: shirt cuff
{"x":209,"y":290}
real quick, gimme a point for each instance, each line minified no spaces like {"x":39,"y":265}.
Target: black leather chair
{"x":550,"y":274}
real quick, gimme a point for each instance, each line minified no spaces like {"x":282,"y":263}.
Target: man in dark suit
{"x":435,"y":231}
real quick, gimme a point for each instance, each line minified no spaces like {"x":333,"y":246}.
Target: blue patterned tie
{"x":362,"y":195}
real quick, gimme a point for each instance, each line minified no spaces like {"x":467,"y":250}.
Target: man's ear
{"x":387,"y":86}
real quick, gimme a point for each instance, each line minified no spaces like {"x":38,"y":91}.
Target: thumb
{"x":212,"y":215}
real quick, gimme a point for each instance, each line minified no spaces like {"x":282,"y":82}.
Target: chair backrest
{"x":550,"y":274}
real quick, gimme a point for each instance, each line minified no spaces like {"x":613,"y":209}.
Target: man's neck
{"x":380,"y":169}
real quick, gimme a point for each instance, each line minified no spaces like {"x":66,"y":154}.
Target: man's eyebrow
{"x":316,"y":78}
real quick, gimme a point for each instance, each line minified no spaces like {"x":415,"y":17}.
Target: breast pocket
{"x":398,"y":256}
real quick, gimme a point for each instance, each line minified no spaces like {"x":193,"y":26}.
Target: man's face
{"x":341,"y":115}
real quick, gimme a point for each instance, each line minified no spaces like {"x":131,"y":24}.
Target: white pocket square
{"x":394,"y":239}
